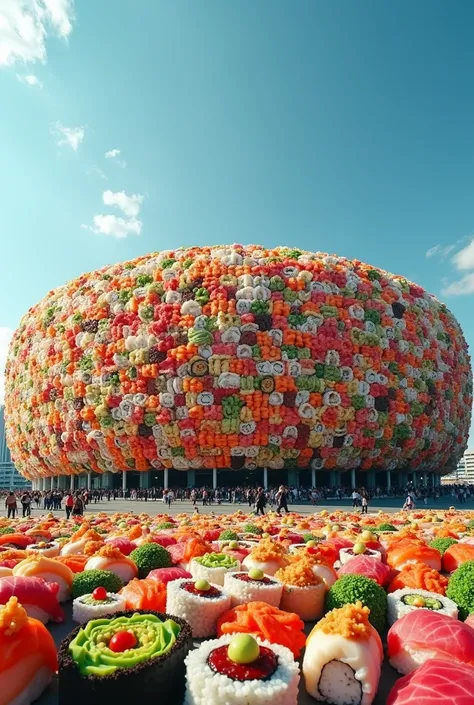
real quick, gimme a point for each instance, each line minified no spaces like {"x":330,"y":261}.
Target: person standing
{"x":260,"y":502}
{"x":281,"y":500}
{"x":11,"y":505}
{"x":69,"y":504}
{"x":78,"y":508}
{"x":26,"y":504}
{"x":364,"y":502}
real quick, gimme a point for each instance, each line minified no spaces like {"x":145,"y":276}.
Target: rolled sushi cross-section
{"x":407,"y":600}
{"x":97,"y":604}
{"x":303,"y":591}
{"x":198,"y":602}
{"x":213,"y":567}
{"x":50,"y":549}
{"x":123,"y":656}
{"x":253,"y":586}
{"x":238,"y":669}
{"x":359,"y":549}
{"x":343,"y":658}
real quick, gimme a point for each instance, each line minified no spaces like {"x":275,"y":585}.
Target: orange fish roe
{"x":350,"y":622}
{"x":92,"y":547}
{"x":311,"y":558}
{"x":269,"y":550}
{"x":299,"y":574}
{"x":110,"y":551}
{"x":12,"y":617}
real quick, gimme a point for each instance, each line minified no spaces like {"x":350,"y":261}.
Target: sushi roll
{"x":253,"y":586}
{"x":125,"y":657}
{"x":358,"y":549}
{"x":199,"y":603}
{"x":269,"y":556}
{"x":303,"y":591}
{"x":213,"y":567}
{"x":424,"y":634}
{"x":343,"y":658}
{"x":96,"y":604}
{"x":407,"y":600}
{"x":111,"y":558}
{"x":50,"y":549}
{"x":240,"y":669}
{"x":38,"y":598}
{"x":28,"y":658}
{"x":51,"y":571}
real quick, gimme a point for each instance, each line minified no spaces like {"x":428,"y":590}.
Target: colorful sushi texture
{"x":252,"y":586}
{"x":436,"y":682}
{"x":97,"y":604}
{"x":343,"y":658}
{"x":303,"y":591}
{"x":199,"y":602}
{"x":37,"y":597}
{"x":50,"y":570}
{"x":213,"y":567}
{"x":402,"y":602}
{"x":367,"y":566}
{"x":112,"y":559}
{"x":268,"y":556}
{"x":240,"y":669}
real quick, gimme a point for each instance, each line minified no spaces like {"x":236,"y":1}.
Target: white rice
{"x":205,"y":687}
{"x":50,"y":552}
{"x":35,"y":687}
{"x":345,"y":557}
{"x":307,"y":602}
{"x":408,"y":659}
{"x":212,"y":575}
{"x":82,"y":612}
{"x":201,"y":613}
{"x":397,"y":608}
{"x":242,"y":592}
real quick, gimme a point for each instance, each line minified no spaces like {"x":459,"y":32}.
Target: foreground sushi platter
{"x":333,"y":607}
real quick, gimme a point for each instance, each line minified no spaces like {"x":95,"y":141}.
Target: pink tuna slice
{"x":32,"y":591}
{"x":177,"y":552}
{"x":425,"y":630}
{"x":166,"y":575}
{"x":436,"y":682}
{"x":122,"y":543}
{"x":163,"y":539}
{"x":365,"y":565}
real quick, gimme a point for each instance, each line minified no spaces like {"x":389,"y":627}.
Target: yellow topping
{"x":299,"y":574}
{"x":92,"y":547}
{"x":350,"y":621}
{"x":12,"y":617}
{"x":269,"y":550}
{"x":110,"y":551}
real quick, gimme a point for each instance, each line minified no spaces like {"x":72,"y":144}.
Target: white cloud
{"x":130,"y":205}
{"x":25,"y":26}
{"x":5,"y":338}
{"x":96,"y":171}
{"x":464,"y":259}
{"x":114,"y":154}
{"x":72,"y":136}
{"x":31,"y":80}
{"x":440,"y":250}
{"x":461,"y":287}
{"x":115,"y":226}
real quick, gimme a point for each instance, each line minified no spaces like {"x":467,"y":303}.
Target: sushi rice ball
{"x":407,"y":600}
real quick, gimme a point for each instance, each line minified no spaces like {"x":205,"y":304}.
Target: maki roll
{"x":407,"y":600}
{"x":253,"y":586}
{"x":303,"y":591}
{"x":50,"y":549}
{"x":358,"y":549}
{"x":97,"y":604}
{"x":199,"y":603}
{"x":213,"y":567}
{"x":343,"y":657}
{"x":240,"y":669}
{"x":122,"y":657}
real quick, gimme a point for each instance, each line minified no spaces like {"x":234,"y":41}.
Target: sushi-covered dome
{"x":237,"y":357}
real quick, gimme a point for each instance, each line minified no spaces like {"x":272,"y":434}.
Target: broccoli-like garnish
{"x":150,"y":556}
{"x":351,"y":588}
{"x":6,"y":530}
{"x":310,"y":537}
{"x":165,"y":525}
{"x":252,"y":529}
{"x":441,"y":544}
{"x":386,"y":527}
{"x":86,"y":582}
{"x":461,"y":588}
{"x":228,"y":535}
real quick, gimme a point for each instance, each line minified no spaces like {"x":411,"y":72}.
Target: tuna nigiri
{"x":421,"y":635}
{"x":39,"y":599}
{"x":456,"y":555}
{"x":365,"y":565}
{"x":28,"y":656}
{"x":110,"y":558}
{"x":50,"y":570}
{"x":435,"y":683}
{"x":146,"y":594}
{"x":166,"y":575}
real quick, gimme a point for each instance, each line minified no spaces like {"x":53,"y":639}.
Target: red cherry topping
{"x":121,"y":641}
{"x":100,"y":593}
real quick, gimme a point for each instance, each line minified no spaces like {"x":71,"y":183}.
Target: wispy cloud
{"x":70,"y":136}
{"x":115,"y":226}
{"x":461,"y":287}
{"x":464,"y":259}
{"x":130,"y":205}
{"x":114,"y":154}
{"x":26,"y":25}
{"x":96,"y":171}
{"x":5,"y":338}
{"x":31,"y":80}
{"x":440,"y":250}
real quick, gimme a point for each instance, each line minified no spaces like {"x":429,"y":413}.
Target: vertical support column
{"x":371,"y":478}
{"x":214,"y":478}
{"x":89,"y":480}
{"x":333,"y":478}
{"x":145,"y":478}
{"x":191,"y":478}
{"x":293,"y":478}
{"x":313,"y":477}
{"x":389,"y":481}
{"x":71,"y":483}
{"x":124,"y":480}
{"x":165,"y":478}
{"x":353,"y":478}
{"x":415,"y":479}
{"x":265,"y":478}
{"x":425,"y":479}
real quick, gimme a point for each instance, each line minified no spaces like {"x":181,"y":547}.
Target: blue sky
{"x":337,"y":126}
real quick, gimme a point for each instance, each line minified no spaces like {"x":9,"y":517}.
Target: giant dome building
{"x":238,"y":359}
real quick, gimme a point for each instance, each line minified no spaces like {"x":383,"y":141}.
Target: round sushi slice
{"x":348,"y":554}
{"x":198,"y":602}
{"x":253,"y":586}
{"x":343,"y":658}
{"x":407,"y":600}
{"x":96,"y":604}
{"x":50,"y":549}
{"x":269,"y":556}
{"x":120,"y":657}
{"x":213,"y":567}
{"x":303,"y":591}
{"x":240,"y":669}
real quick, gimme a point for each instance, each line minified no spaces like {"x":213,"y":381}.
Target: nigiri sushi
{"x":145,"y":594}
{"x":456,"y":555}
{"x":39,"y":598}
{"x":28,"y":656}
{"x":166,"y":575}
{"x":50,"y":570}
{"x":112,"y":559}
{"x":19,"y":541}
{"x":407,"y":600}
{"x":403,"y":554}
{"x":420,"y":577}
{"x":424,"y":634}
{"x":436,"y":682}
{"x":267,"y":556}
{"x":343,"y":657}
{"x":368,"y":566}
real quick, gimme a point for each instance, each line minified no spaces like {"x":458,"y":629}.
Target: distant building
{"x":10,"y":478}
{"x":464,"y":473}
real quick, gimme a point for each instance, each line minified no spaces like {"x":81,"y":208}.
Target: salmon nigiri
{"x":146,"y":594}
{"x":38,"y":598}
{"x":50,"y":570}
{"x":456,"y":555}
{"x":28,"y":656}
